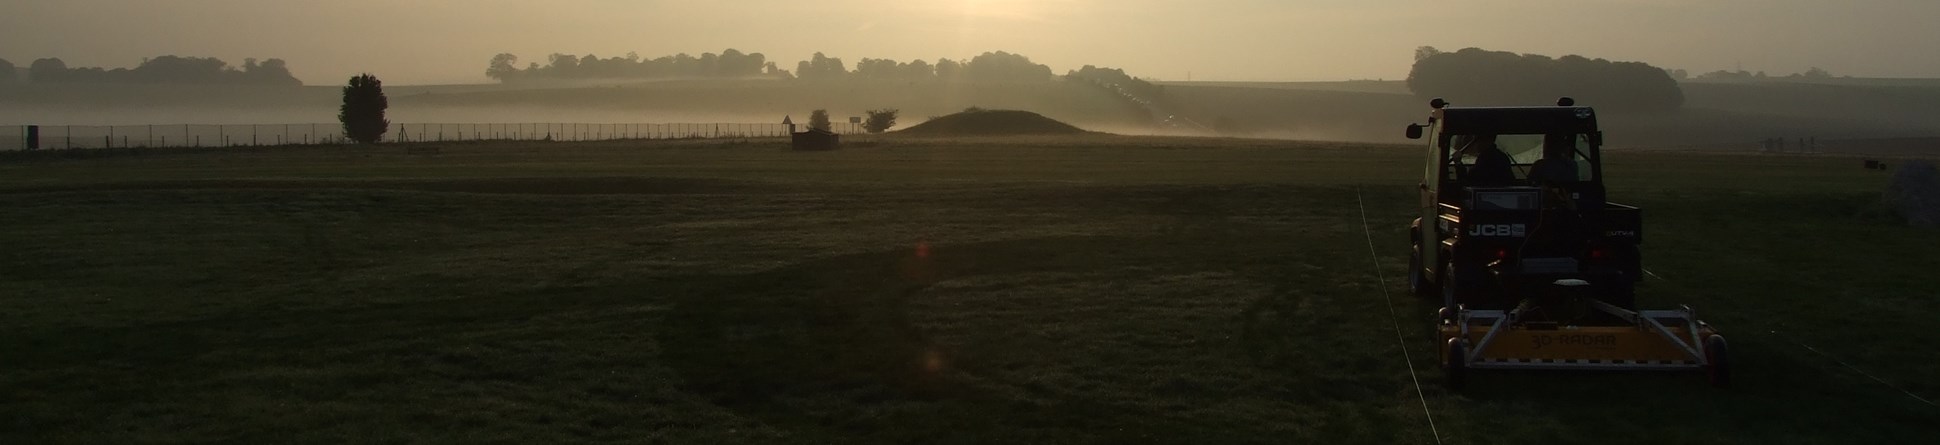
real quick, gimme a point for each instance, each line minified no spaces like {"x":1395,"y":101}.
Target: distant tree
{"x":821,"y":67}
{"x":877,"y":69}
{"x":1475,"y":76}
{"x":1005,"y":67}
{"x":947,"y":69}
{"x":7,"y":72}
{"x":504,"y":67}
{"x":269,"y":72}
{"x":171,"y":70}
{"x":918,"y":70}
{"x":1423,"y":52}
{"x":1816,"y":73}
{"x":819,"y":120}
{"x":774,"y":71}
{"x":47,"y":70}
{"x":1725,"y":75}
{"x":363,"y":110}
{"x":880,"y":120}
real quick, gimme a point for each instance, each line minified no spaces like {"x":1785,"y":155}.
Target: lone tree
{"x":363,"y":110}
{"x":819,"y":120}
{"x":880,"y":120}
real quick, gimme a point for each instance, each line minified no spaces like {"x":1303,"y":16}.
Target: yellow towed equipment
{"x":1533,"y":267}
{"x":1652,"y":340}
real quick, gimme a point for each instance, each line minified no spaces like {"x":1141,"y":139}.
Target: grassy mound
{"x":976,"y":122}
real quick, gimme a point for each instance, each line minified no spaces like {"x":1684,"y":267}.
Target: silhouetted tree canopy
{"x":1142,"y":94}
{"x":819,"y":120}
{"x":1813,"y":73}
{"x":880,"y":120}
{"x":170,"y":70}
{"x":947,"y":69}
{"x":821,"y":67}
{"x":7,"y":72}
{"x":1474,"y":76}
{"x":996,"y":66}
{"x":1005,"y":67}
{"x":363,"y":110}
{"x":728,"y":64}
{"x":1115,"y":78}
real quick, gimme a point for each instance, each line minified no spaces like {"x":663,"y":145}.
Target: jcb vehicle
{"x":1533,"y":267}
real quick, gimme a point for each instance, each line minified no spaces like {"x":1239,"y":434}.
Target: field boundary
{"x":66,"y":137}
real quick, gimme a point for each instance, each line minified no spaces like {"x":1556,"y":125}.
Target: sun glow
{"x":1007,"y":9}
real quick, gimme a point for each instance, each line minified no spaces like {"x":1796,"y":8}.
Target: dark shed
{"x":817,"y":140}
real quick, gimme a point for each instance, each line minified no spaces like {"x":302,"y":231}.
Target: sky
{"x":447,"y":42}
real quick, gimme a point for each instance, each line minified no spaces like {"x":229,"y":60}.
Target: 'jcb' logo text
{"x":1510,"y":230}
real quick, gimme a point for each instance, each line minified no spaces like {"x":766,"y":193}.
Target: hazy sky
{"x":427,"y":41}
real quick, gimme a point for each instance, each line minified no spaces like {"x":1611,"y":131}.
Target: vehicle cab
{"x":1512,"y":196}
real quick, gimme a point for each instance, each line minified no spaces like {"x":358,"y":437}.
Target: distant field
{"x":672,"y":101}
{"x":1083,"y":289}
{"x":1716,"y":113}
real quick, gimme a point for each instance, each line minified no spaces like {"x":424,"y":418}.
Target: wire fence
{"x":59,"y":137}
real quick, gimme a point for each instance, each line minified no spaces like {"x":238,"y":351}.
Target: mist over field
{"x":1736,"y":70}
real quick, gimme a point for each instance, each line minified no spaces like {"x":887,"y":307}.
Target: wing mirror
{"x":1414,"y":131}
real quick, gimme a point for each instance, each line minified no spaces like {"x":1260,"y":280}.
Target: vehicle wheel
{"x":1718,"y":371}
{"x":1417,"y":283}
{"x":1455,"y":363}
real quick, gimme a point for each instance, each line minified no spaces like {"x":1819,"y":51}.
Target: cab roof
{"x":1517,"y":120}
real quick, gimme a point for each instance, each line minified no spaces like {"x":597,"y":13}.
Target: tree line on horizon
{"x":1814,"y":73}
{"x":998,"y":66}
{"x":159,"y":70}
{"x":1475,"y":76}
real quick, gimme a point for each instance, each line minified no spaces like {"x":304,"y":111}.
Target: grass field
{"x":1049,"y":290}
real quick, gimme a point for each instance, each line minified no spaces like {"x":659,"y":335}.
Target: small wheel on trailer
{"x":1455,"y":363}
{"x":1717,"y":367}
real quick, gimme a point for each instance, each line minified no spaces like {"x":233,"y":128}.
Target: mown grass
{"x":1089,"y":289}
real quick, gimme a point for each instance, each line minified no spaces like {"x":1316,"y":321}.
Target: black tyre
{"x":1455,"y":363}
{"x":1717,"y":353}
